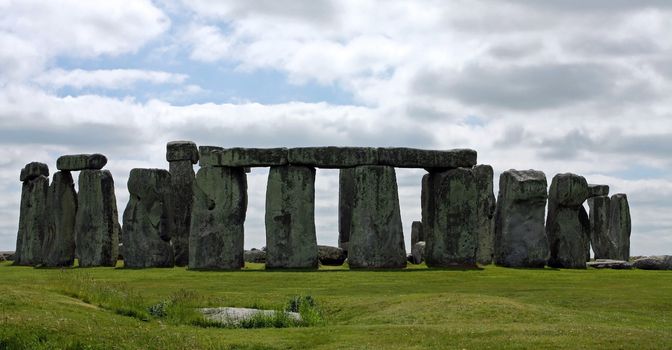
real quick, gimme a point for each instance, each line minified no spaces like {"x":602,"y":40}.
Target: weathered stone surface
{"x":148,"y":220}
{"x":584,"y":220}
{"x":255,"y":256}
{"x":453,"y":239}
{"x":597,"y":190}
{"x":58,"y":248}
{"x":485,"y":214}
{"x":330,"y":256}
{"x":604,"y":247}
{"x":401,"y":157}
{"x":610,"y":264}
{"x":97,"y":226}
{"x":181,"y":150}
{"x":7,"y":256}
{"x":290,"y":218}
{"x":416,"y":233}
{"x":376,"y":233}
{"x":620,"y":225}
{"x":77,"y":162}
{"x":520,"y":238}
{"x":564,"y":229}
{"x":32,"y":219}
{"x":427,"y":205}
{"x":346,"y":197}
{"x":34,"y":170}
{"x":246,"y":157}
{"x":207,"y":155}
{"x":659,"y":262}
{"x":181,"y":180}
{"x":418,"y":252}
{"x":333,"y":157}
{"x":217,"y":218}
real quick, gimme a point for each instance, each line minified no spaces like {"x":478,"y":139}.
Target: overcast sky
{"x":559,"y":86}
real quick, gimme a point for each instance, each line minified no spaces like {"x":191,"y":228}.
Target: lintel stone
{"x":401,"y":157}
{"x":34,"y":170}
{"x":76,"y":162}
{"x":333,"y":157}
{"x":247,"y":157}
{"x":597,"y":190}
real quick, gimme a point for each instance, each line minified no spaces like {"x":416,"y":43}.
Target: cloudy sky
{"x":559,"y":86}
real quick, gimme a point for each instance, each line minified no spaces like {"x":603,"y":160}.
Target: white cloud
{"x":106,"y":78}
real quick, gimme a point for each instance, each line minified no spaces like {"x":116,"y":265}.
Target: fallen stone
{"x":148,"y":220}
{"x":418,"y":252}
{"x":78,"y":162}
{"x":485,"y":213}
{"x":290,"y":218}
{"x":564,"y":229}
{"x":233,"y":316}
{"x":604,"y":247}
{"x":346,"y":196}
{"x":254,"y":256}
{"x":416,"y":232}
{"x":597,"y":190}
{"x":610,"y":264}
{"x":433,"y":160}
{"x":659,"y":262}
{"x":330,"y":256}
{"x":376,"y":233}
{"x":333,"y":157}
{"x":34,"y":170}
{"x":620,"y":225}
{"x":97,"y":226}
{"x":32,"y":218}
{"x":181,"y":150}
{"x":453,"y":240}
{"x":58,"y":248}
{"x":181,"y":181}
{"x":7,"y":256}
{"x":246,"y":157}
{"x":520,"y":238}
{"x":217,"y":220}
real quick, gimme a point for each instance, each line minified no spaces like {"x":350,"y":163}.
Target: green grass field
{"x":417,"y":308}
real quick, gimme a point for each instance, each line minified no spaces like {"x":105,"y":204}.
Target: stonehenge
{"x":178,"y":217}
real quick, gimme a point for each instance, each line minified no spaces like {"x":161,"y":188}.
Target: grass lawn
{"x":417,"y":308}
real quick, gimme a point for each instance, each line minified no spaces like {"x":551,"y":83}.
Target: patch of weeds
{"x":307,"y":307}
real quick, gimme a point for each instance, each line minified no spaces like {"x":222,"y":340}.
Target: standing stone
{"x":620,"y":225}
{"x":346,"y":197}
{"x":564,"y":229}
{"x":453,"y":239}
{"x":58,"y":248}
{"x":416,"y":233}
{"x":217,"y":234}
{"x":148,"y":220}
{"x":604,"y":247}
{"x":181,"y":156}
{"x":418,"y":252}
{"x":584,"y":220}
{"x":376,"y":233}
{"x":32,"y":214}
{"x":485,"y":215}
{"x":97,"y":226}
{"x":520,"y":238}
{"x":427,"y":205}
{"x":290,"y":218}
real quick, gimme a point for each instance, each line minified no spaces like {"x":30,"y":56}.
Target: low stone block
{"x":330,"y":256}
{"x":32,"y":220}
{"x":182,"y":150}
{"x":333,"y":157}
{"x":656,"y":262}
{"x":78,"y":162}
{"x":597,"y":190}
{"x":248,"y":157}
{"x":58,"y":248}
{"x":33,"y":170}
{"x":610,"y":264}
{"x":401,"y":157}
{"x":418,"y":252}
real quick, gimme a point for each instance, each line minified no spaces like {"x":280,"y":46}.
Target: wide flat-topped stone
{"x":401,"y":157}
{"x":76,"y":162}
{"x":333,"y":157}
{"x":597,"y":190}
{"x":246,"y":157}
{"x":33,"y":170}
{"x":181,"y":150}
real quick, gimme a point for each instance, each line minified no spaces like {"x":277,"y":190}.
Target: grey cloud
{"x":85,"y":135}
{"x":598,"y":6}
{"x":613,"y":47}
{"x":307,"y":10}
{"x":512,"y":51}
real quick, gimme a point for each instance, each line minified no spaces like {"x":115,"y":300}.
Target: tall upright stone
{"x":417,"y":234}
{"x":584,"y":220}
{"x":58,"y":248}
{"x":97,"y":226}
{"x":346,"y":196}
{"x":620,"y":225}
{"x":426,"y":205}
{"x":32,"y":214}
{"x":216,"y":237}
{"x":604,"y":246}
{"x":564,"y":229}
{"x":376,"y":233}
{"x":485,"y":215}
{"x":290,"y":218}
{"x":520,"y":237}
{"x":181,"y":156}
{"x":453,"y":239}
{"x":148,"y":220}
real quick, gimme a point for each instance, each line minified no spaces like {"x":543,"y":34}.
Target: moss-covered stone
{"x":333,"y":157}
{"x":346,"y":197}
{"x":620,"y":225}
{"x":182,"y":150}
{"x":485,"y":217}
{"x":416,"y":233}
{"x":32,"y":220}
{"x":565,"y":230}
{"x":604,"y":247}
{"x":182,"y":180}
{"x":58,"y":248}
{"x":246,"y":157}
{"x":402,"y":157}
{"x":77,"y":162}
{"x":33,"y":170}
